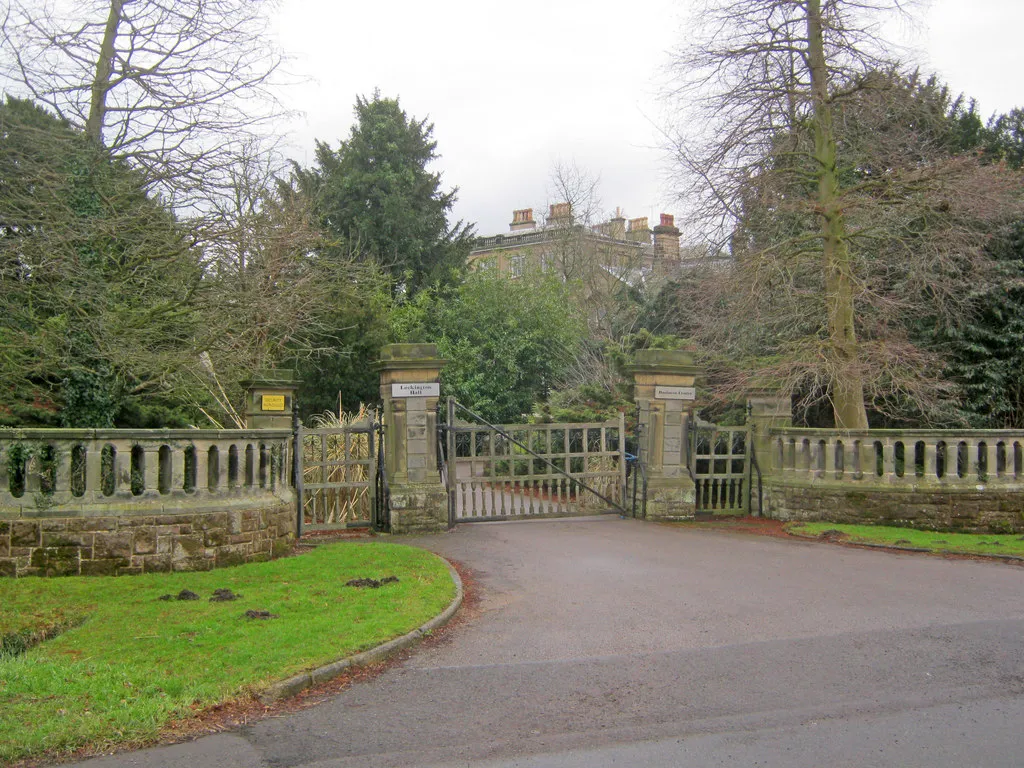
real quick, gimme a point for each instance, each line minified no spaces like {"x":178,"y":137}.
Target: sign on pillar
{"x":270,"y":399}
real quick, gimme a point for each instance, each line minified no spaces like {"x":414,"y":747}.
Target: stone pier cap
{"x":679,"y":362}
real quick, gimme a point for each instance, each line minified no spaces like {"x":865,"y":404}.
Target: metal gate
{"x":530,"y":470}
{"x":340,"y":478}
{"x":720,"y":467}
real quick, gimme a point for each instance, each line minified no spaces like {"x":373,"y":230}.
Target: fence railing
{"x":49,"y":468}
{"x":491,"y":476}
{"x":719,"y":468}
{"x":907,"y":457}
{"x":339,"y":466}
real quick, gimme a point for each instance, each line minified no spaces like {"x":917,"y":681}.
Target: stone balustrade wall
{"x":131,"y":501}
{"x":937,"y":479}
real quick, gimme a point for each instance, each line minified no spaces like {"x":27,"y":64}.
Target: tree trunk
{"x":847,"y":382}
{"x":104,"y":70}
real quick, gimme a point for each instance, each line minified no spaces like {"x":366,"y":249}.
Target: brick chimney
{"x":522,"y":219}
{"x":666,"y":238}
{"x":617,"y":225}
{"x":639,"y":230}
{"x":560,"y":213}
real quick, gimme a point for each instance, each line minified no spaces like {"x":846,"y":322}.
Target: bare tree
{"x":175,"y":87}
{"x":271,"y":297}
{"x":850,"y":222}
{"x":574,"y":209}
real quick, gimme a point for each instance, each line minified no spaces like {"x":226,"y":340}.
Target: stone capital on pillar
{"x":410,"y":376}
{"x":665,"y":390}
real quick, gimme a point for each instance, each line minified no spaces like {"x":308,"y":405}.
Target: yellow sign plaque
{"x":272,"y":403}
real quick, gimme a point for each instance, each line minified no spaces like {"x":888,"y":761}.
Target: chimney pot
{"x":522,"y":219}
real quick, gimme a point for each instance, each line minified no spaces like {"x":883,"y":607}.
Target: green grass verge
{"x":963,"y":543}
{"x":129,"y":663}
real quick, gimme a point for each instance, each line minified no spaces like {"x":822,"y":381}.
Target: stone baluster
{"x":151,"y":469}
{"x":851,"y":469}
{"x":931,"y":461}
{"x":818,"y":457}
{"x":5,"y":479}
{"x":178,"y":468}
{"x":831,"y":445}
{"x":944,"y":456}
{"x":222,"y":469}
{"x":94,"y":470}
{"x":991,"y":453}
{"x":202,"y":466}
{"x":122,"y":468}
{"x":32,"y":470}
{"x":972,"y":472}
{"x":889,"y":460}
{"x":62,"y":472}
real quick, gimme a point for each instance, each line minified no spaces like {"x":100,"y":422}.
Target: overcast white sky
{"x":513,"y":88}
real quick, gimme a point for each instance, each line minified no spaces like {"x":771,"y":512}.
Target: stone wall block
{"x":91,"y":524}
{"x":68,"y":539}
{"x":56,"y":561}
{"x":25,"y":533}
{"x":103,"y":567}
{"x":132,"y":521}
{"x":192,"y":564}
{"x":187,"y":546}
{"x":145,"y":540}
{"x":156,"y":563}
{"x":235,"y":554}
{"x":112,"y":545}
{"x":216,"y":537}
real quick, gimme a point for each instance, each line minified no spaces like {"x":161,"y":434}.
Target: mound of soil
{"x":371,"y":583}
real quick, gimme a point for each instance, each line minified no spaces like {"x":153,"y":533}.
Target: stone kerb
{"x":665,"y":384}
{"x":130,"y":501}
{"x":410,"y":376}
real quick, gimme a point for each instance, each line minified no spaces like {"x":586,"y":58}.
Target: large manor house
{"x":617,"y":250}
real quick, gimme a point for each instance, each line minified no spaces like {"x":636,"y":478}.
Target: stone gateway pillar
{"x":270,"y":399}
{"x":666,"y":393}
{"x":410,"y":376}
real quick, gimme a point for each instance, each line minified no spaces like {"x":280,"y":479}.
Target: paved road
{"x":608,"y":642}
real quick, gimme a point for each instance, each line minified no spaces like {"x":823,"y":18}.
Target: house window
{"x":516,"y":265}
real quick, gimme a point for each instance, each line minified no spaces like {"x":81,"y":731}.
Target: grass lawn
{"x":963,"y":543}
{"x":128,"y":662}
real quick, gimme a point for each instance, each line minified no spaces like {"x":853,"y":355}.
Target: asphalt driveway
{"x":601,"y":641}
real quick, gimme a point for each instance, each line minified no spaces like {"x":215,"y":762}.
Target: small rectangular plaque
{"x":426,"y":389}
{"x":272,"y":403}
{"x":675,"y":393}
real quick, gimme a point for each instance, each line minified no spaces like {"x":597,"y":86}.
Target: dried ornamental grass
{"x":344,"y":459}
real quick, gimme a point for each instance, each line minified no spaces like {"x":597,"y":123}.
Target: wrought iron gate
{"x":340,"y":478}
{"x":720,"y":467}
{"x":530,"y":470}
